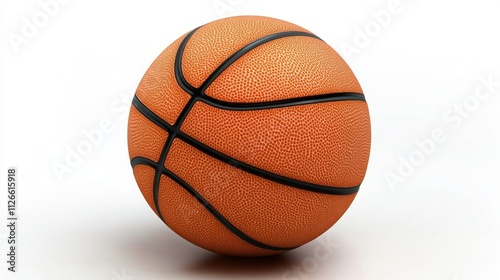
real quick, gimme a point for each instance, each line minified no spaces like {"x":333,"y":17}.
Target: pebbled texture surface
{"x":144,"y":176}
{"x":188,"y":218}
{"x":284,"y":68}
{"x":158,"y":89}
{"x":144,"y":138}
{"x":325,"y":143}
{"x":215,"y":42}
{"x":269,"y":212}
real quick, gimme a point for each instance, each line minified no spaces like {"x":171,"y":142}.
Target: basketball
{"x":249,"y":136}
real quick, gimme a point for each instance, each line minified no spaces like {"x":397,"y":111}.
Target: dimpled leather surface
{"x":325,"y":143}
{"x":267,"y":211}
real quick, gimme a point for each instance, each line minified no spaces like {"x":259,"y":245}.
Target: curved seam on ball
{"x":210,"y":208}
{"x":240,"y":164}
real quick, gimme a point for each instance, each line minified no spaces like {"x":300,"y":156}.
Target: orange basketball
{"x":249,"y":136}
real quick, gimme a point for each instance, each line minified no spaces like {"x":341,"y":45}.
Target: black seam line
{"x":179,"y":76}
{"x":150,"y":115}
{"x":340,"y":96}
{"x":173,"y":133}
{"x":235,"y":106}
{"x":246,"y":49}
{"x":156,"y":181}
{"x":246,"y":106}
{"x":143,"y":161}
{"x":164,"y":125}
{"x":217,"y":215}
{"x":266,"y":174}
{"x":239,"y":164}
{"x":173,"y":129}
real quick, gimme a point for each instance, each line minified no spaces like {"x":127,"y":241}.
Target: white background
{"x":440,"y":219}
